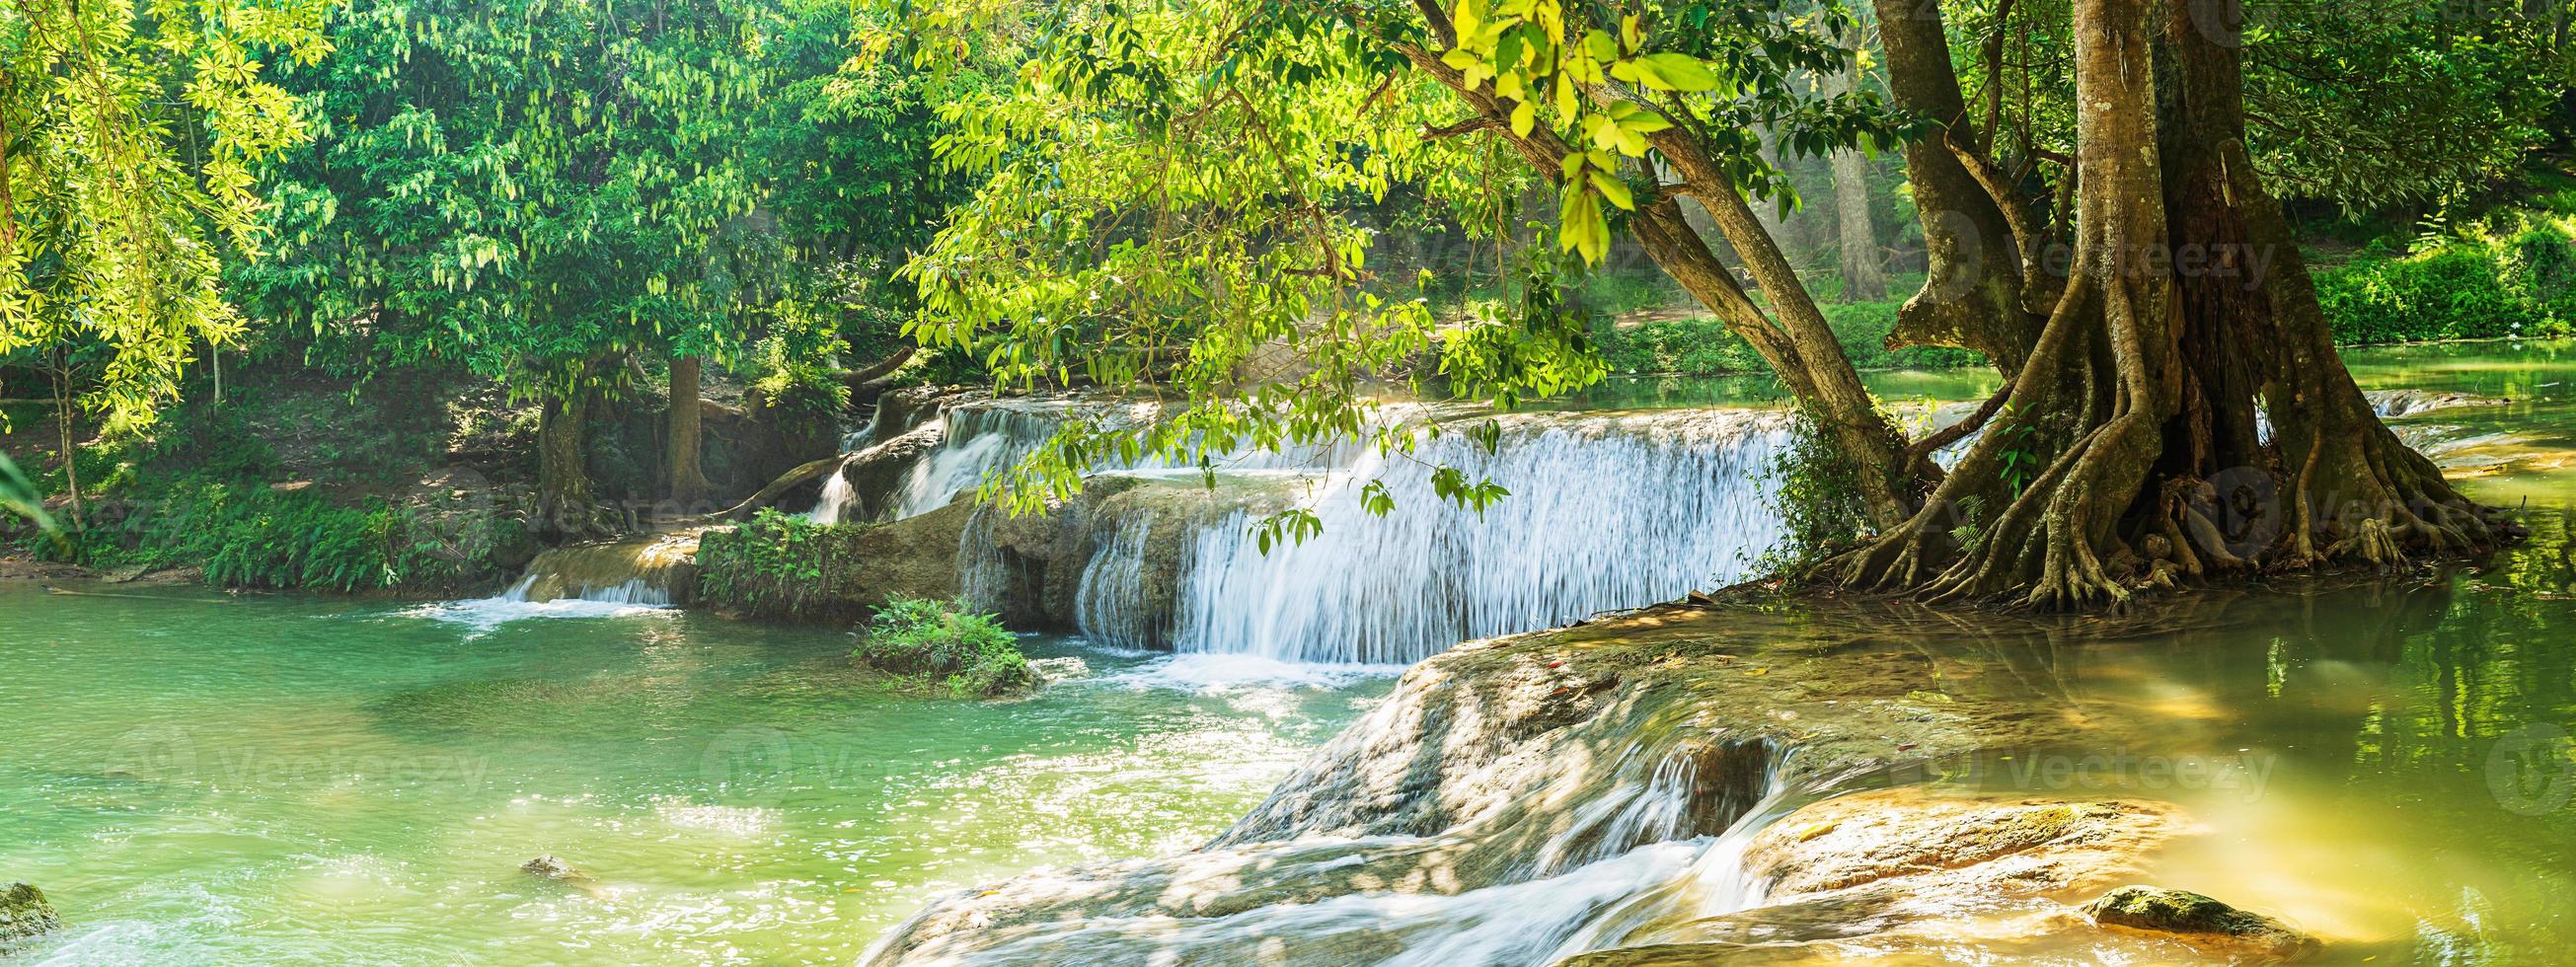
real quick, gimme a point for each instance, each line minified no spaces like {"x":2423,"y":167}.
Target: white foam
{"x":1212,"y":672}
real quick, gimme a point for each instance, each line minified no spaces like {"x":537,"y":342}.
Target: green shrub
{"x":921,"y":636}
{"x":2485,"y":283}
{"x":2451,"y":293}
{"x":1816,"y":491}
{"x":773,"y":565}
{"x":2543,"y":272}
{"x":1703,"y":346}
{"x":249,"y":535}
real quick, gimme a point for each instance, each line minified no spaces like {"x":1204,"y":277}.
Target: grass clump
{"x":947,"y":641}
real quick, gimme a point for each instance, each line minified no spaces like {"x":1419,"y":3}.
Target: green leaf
{"x":1675,"y":72}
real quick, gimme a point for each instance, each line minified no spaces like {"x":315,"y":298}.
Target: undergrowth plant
{"x":931,"y":638}
{"x":1816,"y":492}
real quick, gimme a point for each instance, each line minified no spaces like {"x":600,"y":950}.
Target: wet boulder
{"x":24,"y":912}
{"x":2205,"y":924}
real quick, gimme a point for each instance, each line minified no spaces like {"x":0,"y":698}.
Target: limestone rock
{"x":555,"y":869}
{"x":2204,"y":923}
{"x":1929,"y":841}
{"x":1490,"y":766}
{"x":24,"y":912}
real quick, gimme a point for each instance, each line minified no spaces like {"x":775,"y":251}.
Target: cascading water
{"x":1626,"y":862}
{"x":982,"y":442}
{"x":1606,"y":511}
{"x":838,"y":495}
{"x":630,"y":591}
{"x":590,"y":581}
{"x":1112,"y":583}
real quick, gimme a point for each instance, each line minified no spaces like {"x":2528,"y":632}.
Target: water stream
{"x":207,"y":778}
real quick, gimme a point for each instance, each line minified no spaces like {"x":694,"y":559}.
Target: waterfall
{"x":595,"y":580}
{"x":1108,"y":606}
{"x":982,"y":442}
{"x":649,"y":571}
{"x":837,"y":498}
{"x":630,"y":591}
{"x":1606,"y":511}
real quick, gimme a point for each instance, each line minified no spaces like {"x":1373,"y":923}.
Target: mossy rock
{"x":2201,"y":921}
{"x":24,"y":912}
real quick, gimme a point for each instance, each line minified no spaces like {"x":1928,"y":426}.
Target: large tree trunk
{"x":2335,"y":484}
{"x":566,"y":510}
{"x":688,"y":480}
{"x":2128,"y":452}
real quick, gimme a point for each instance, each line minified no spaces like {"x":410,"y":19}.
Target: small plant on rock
{"x":932,"y":638}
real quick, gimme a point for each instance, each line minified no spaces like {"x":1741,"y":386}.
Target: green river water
{"x":205,"y":778}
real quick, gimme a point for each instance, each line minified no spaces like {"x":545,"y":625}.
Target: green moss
{"x":2171,"y":911}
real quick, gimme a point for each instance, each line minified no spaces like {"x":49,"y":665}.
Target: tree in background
{"x":541,"y":191}
{"x":551,"y":194}
{"x":1864,"y":268}
{"x":130,"y":136}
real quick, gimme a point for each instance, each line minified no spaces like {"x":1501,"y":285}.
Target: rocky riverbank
{"x":1679,"y":784}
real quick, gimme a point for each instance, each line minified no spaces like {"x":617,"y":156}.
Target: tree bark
{"x":2336,"y":485}
{"x":2032,"y":509}
{"x":566,"y":508}
{"x":66,"y":434}
{"x":2129,"y":453}
{"x":1974,"y":295}
{"x":688,"y":480}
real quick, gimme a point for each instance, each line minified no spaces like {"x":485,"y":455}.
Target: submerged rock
{"x":1908,"y":871}
{"x":2025,"y":845}
{"x":554,"y":869}
{"x":24,"y":912}
{"x":2205,"y":924}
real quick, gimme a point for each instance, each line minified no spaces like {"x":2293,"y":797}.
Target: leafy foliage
{"x":1164,"y":197}
{"x":970,"y":651}
{"x":129,"y":136}
{"x":1816,"y":491}
{"x":524,"y":187}
{"x":2514,"y":279}
{"x":19,"y":496}
{"x":257,"y":537}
